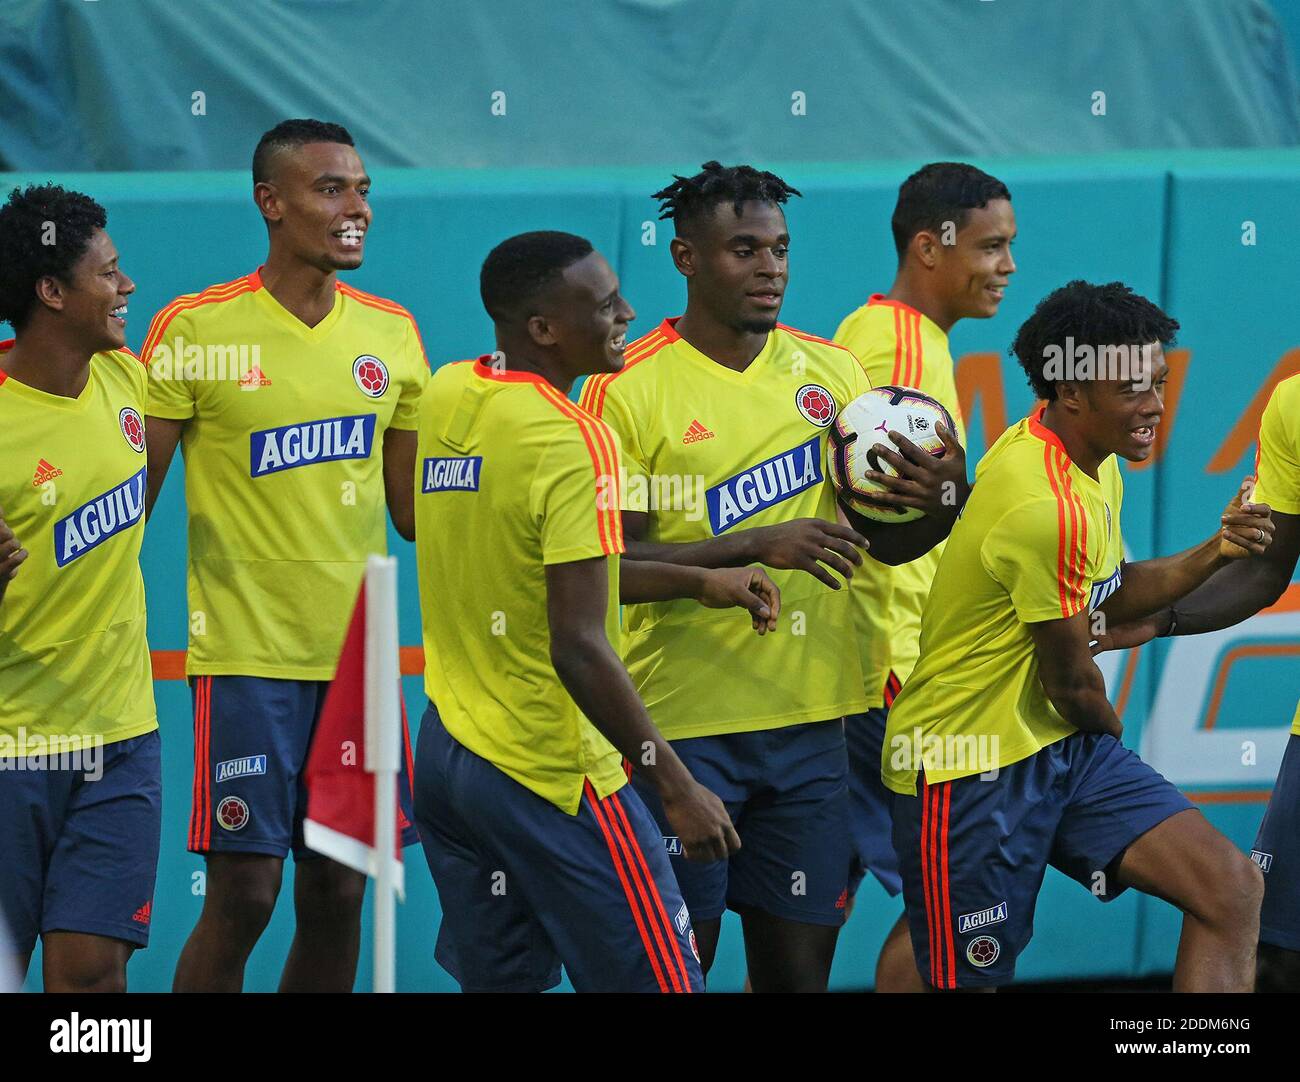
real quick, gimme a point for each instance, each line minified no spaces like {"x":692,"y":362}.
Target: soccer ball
{"x":866,"y":421}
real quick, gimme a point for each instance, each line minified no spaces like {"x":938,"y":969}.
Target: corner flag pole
{"x":383,"y":685}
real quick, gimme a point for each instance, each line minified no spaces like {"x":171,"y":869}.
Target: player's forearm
{"x":732,"y":550}
{"x":1080,"y":698}
{"x":651,"y":580}
{"x":1152,"y":585}
{"x":595,"y":677}
{"x":1229,"y":596}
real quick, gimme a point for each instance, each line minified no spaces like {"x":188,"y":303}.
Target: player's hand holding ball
{"x":1247,"y":526}
{"x":12,"y":554}
{"x":746,"y":587}
{"x":701,"y":821}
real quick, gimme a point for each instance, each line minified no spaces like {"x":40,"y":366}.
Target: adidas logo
{"x":45,"y":472}
{"x":696,"y":433}
{"x":254,"y":379}
{"x":843,"y":900}
{"x":141,"y":915}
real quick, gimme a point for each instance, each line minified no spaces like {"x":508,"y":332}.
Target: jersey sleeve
{"x":575,"y":496}
{"x":1278,"y":468}
{"x":1028,"y":553}
{"x":407,"y":413}
{"x":170,"y":394}
{"x":615,"y":412}
{"x":875,"y":353}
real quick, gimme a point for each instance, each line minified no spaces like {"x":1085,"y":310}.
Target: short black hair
{"x":516,"y":269}
{"x":289,"y":134}
{"x":1092,"y":315}
{"x":688,"y":199}
{"x":937,"y":193}
{"x":44,"y":230}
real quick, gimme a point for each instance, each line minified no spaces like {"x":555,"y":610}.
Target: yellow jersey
{"x":708,"y":450}
{"x":283,"y":448}
{"x":1038,"y":540}
{"x":512,"y":477}
{"x":74,"y":659}
{"x":1277,"y":465}
{"x":898,"y":347}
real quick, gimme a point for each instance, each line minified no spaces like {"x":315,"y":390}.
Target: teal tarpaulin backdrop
{"x":191,"y":84}
{"x":1211,"y":713}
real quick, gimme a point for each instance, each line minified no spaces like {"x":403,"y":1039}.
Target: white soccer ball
{"x":868,"y":420}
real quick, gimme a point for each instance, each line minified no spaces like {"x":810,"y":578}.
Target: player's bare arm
{"x":713,"y":587}
{"x":1070,"y":677}
{"x":161,"y":437}
{"x":802,"y":544}
{"x":399,"y":479}
{"x":577,"y":596}
{"x":937,"y":486}
{"x":1247,"y":531}
{"x":12,"y":554}
{"x":1232,"y":594}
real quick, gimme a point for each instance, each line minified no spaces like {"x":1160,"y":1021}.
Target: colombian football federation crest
{"x":232,"y":813}
{"x":816,"y":404}
{"x":983,"y":951}
{"x":132,"y":428}
{"x":371,"y":375}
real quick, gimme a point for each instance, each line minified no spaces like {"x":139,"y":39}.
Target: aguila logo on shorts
{"x":94,"y":522}
{"x":983,"y":951}
{"x":1264,"y":860}
{"x":683,"y":919}
{"x":232,"y":813}
{"x":816,"y":404}
{"x":241,"y":768}
{"x":310,"y":442}
{"x":970,"y":922}
{"x":764,"y":485}
{"x":132,"y":428}
{"x":371,"y":375}
{"x":673,"y":845}
{"x":451,"y":474}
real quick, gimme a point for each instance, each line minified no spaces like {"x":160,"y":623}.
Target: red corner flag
{"x":357,"y":744}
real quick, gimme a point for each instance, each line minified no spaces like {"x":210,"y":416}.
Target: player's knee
{"x":91,"y":975}
{"x":334,"y":897}
{"x":244,"y":902}
{"x":1236,"y":895}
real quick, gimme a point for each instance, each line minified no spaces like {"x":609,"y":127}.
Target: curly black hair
{"x":937,"y":193}
{"x":44,"y":230}
{"x":687,"y":199}
{"x":516,"y":269}
{"x":1092,"y":315}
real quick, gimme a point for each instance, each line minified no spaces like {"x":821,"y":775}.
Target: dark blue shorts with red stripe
{"x":973,"y":851}
{"x":526,"y":887}
{"x":251,"y":738}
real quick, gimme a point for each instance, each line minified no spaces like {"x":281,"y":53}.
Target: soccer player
{"x":1002,"y":746}
{"x":289,"y":460}
{"x":953,"y":228}
{"x":540,"y":852}
{"x":1237,"y":592}
{"x":80,"y":768}
{"x":731,"y":407}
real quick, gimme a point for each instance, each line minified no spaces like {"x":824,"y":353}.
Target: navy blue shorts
{"x":973,"y":851}
{"x":524,"y":886}
{"x":251,"y":737}
{"x":787,"y":793}
{"x":79,"y":847}
{"x":1277,"y":852}
{"x":869,"y":804}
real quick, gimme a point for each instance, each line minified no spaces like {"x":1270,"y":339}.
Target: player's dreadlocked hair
{"x":290,"y":134}
{"x":687,"y":199}
{"x":43,"y":231}
{"x":937,"y":193}
{"x":516,"y":270}
{"x":1093,"y":315}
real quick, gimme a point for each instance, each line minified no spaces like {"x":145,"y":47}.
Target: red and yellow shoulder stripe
{"x":594,"y":390}
{"x":604,"y":460}
{"x":909,"y":354}
{"x":814,"y":338}
{"x":383,"y":304}
{"x":1071,"y":522}
{"x":212,"y":295}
